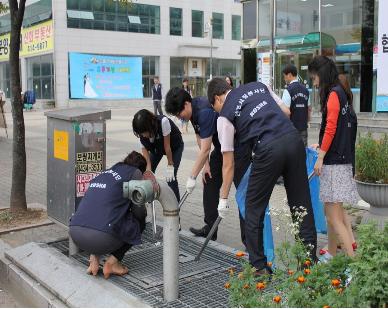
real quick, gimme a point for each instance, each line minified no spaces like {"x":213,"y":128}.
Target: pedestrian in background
{"x":229,"y":80}
{"x":157,"y":96}
{"x":159,"y":136}
{"x":337,"y":138}
{"x":186,"y":87}
{"x":296,"y":98}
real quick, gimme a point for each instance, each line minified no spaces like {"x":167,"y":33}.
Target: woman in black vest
{"x":159,"y":136}
{"x":336,"y":152}
{"x":107,"y":223}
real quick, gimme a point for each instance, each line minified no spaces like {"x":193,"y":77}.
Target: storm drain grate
{"x":201,"y":284}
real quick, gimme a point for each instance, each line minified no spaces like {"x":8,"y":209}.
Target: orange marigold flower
{"x":277,"y":299}
{"x":301,"y":279}
{"x":307,"y":263}
{"x":326,"y":306}
{"x":227,"y":285}
{"x":260,"y":286}
{"x":335,"y":282}
{"x":240,"y":276}
{"x":246,"y":286}
{"x":269,"y":264}
{"x":240,"y":254}
{"x":307,"y":271}
{"x":290,"y":272}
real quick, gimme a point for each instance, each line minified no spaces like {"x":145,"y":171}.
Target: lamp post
{"x":209,"y":31}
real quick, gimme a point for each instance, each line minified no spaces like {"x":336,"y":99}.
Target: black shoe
{"x":266,"y":271}
{"x":203,"y":232}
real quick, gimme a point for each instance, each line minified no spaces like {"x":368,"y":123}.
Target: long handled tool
{"x":215,"y":226}
{"x":153,"y":219}
{"x":183,"y":199}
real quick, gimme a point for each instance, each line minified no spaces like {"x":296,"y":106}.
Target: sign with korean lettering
{"x":382,"y":60}
{"x":264,"y":68}
{"x":88,"y":165}
{"x":33,"y":40}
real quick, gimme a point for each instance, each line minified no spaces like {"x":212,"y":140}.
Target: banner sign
{"x":33,"y":40}
{"x":105,"y":77}
{"x":382,"y":59}
{"x":264,"y":68}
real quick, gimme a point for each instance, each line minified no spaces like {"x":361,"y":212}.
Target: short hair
{"x":217,"y":86}
{"x":144,"y":122}
{"x":175,"y":100}
{"x":290,"y":68}
{"x":156,"y":77}
{"x":135,"y":159}
{"x":185,"y":80}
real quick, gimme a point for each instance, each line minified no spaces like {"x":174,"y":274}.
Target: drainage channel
{"x":201,"y":284}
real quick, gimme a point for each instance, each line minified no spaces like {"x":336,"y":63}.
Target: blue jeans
{"x":176,"y":158}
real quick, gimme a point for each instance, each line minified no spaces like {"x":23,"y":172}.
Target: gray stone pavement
{"x":120,"y":141}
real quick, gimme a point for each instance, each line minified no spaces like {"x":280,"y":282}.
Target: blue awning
{"x":351,"y":48}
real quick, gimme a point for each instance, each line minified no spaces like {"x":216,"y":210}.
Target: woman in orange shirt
{"x":336,"y":154}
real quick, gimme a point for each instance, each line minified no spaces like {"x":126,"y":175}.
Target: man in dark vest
{"x":249,"y":115}
{"x":296,"y":98}
{"x":204,"y":120}
{"x":157,"y":96}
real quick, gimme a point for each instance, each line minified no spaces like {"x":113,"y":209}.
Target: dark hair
{"x":156,"y":77}
{"x":185,"y":80}
{"x":175,"y":100}
{"x":135,"y":159}
{"x":345,"y":84}
{"x":144,"y":122}
{"x":217,"y":86}
{"x":327,"y":72}
{"x":231,"y":80}
{"x":290,"y":68}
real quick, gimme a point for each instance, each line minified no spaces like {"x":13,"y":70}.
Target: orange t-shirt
{"x":333,"y":109}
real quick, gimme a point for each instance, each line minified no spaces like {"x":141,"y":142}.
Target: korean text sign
{"x":105,"y":77}
{"x":382,"y":60}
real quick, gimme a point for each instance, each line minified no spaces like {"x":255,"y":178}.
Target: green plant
{"x":371,"y":159}
{"x":342,"y":282}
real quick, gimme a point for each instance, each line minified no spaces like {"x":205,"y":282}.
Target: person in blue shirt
{"x":159,"y":136}
{"x":107,"y":223}
{"x":250,"y":115}
{"x":204,"y":121}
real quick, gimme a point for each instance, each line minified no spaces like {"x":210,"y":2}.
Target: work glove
{"x":190,"y":184}
{"x":169,"y":173}
{"x":223,"y":208}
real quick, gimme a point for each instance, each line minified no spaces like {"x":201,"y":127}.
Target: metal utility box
{"x":76,"y":153}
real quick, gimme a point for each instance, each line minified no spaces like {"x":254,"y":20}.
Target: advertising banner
{"x":105,"y":77}
{"x":264,"y":68}
{"x":33,"y":40}
{"x":382,"y":59}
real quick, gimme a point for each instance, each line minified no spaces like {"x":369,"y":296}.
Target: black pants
{"x":176,"y":158}
{"x":158,"y":107}
{"x":284,"y":156}
{"x":304,"y":136}
{"x":211,"y":189}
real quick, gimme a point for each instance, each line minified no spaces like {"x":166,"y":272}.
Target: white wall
{"x":141,"y":44}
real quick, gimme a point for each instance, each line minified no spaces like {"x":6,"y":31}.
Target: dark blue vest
{"x":299,"y":105}
{"x":105,"y":209}
{"x":342,"y":148}
{"x":199,"y":104}
{"x":157,"y":146}
{"x":255,"y":114}
{"x":157,"y":93}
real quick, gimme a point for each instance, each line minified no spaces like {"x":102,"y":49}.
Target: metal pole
{"x":272,"y":41}
{"x":320,"y":26}
{"x":211,"y":47}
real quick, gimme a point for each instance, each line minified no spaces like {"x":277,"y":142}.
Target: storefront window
{"x":40,"y":76}
{"x":249,"y":12}
{"x":218,"y":26}
{"x":175,"y":21}
{"x":236,"y":27}
{"x":150,"y":69}
{"x":5,"y":82}
{"x":197,"y":24}
{"x":113,"y":16}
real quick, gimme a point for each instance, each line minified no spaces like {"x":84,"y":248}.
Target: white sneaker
{"x":325,"y":258}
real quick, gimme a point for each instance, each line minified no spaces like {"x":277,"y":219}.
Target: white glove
{"x":223,"y":208}
{"x":190,"y":184}
{"x":169,"y":173}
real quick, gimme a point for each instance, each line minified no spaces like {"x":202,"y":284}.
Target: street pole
{"x":211,"y":47}
{"x":320,"y":26}
{"x":272,"y":10}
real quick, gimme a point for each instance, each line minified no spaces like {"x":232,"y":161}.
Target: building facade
{"x":171,"y":38}
{"x":294,"y":31}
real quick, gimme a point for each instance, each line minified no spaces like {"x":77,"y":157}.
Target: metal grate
{"x":201,"y":284}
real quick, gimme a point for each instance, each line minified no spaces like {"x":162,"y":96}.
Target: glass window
{"x":5,"y":81}
{"x":40,"y":76}
{"x":218,"y":26}
{"x":150,"y":69}
{"x":37,"y":12}
{"x":197,"y":24}
{"x":175,"y":21}
{"x":236,"y":27}
{"x":249,"y":13}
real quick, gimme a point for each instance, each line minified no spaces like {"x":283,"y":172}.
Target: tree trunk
{"x":18,"y":191}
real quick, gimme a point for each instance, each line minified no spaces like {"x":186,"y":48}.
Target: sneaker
{"x":325,"y":258}
{"x":203,"y":232}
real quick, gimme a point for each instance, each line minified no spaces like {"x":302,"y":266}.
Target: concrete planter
{"x":376,"y":195}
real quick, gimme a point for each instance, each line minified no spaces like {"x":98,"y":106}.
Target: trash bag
{"x":267,"y":234}
{"x":319,"y":214}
